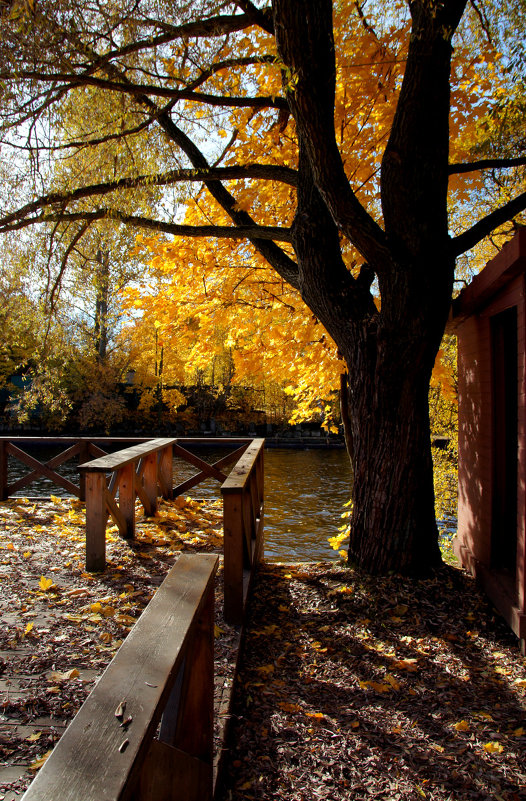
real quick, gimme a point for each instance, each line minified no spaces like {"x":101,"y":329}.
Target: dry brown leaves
{"x":361,"y":688}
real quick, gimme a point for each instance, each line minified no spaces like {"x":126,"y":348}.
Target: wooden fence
{"x":111,"y":482}
{"x":163,"y":673}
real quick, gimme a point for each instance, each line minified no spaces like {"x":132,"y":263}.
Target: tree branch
{"x":254,"y":231}
{"x":249,"y":171}
{"x":486,"y":164}
{"x":71,"y":81}
{"x":471,"y":237}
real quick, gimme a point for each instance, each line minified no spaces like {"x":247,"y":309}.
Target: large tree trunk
{"x":393,"y":524}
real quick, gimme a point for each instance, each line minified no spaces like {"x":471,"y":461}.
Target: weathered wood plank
{"x":90,"y":762}
{"x":241,"y":472}
{"x":170,"y":774}
{"x":233,"y":556}
{"x":106,"y":464}
{"x":126,"y":482}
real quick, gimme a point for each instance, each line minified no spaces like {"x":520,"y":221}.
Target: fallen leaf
{"x":406,"y":664}
{"x":493,"y":747}
{"x":461,"y":725}
{"x":34,"y":737}
{"x":67,"y":675}
{"x":45,"y":583}
{"x":39,"y":762}
{"x":119,"y":712}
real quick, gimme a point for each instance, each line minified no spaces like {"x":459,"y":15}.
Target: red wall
{"x":501,"y":285}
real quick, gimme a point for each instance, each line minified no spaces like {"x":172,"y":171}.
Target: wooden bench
{"x":163,"y":673}
{"x":136,"y":471}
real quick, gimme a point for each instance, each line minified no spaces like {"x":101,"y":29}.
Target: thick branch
{"x":305,"y":42}
{"x":471,"y":237}
{"x":259,"y":232}
{"x":128,"y":88}
{"x":249,"y":171}
{"x":487,"y":164}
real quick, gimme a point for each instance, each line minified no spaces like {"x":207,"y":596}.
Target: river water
{"x":305,"y":490}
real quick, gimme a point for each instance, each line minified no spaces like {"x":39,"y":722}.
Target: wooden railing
{"x":111,"y":482}
{"x":163,"y":673}
{"x":243,"y":512}
{"x":79,"y":448}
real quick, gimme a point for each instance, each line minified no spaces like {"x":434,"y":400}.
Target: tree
{"x":356,"y":205}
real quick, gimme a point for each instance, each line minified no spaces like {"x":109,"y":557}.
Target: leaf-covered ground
{"x":360,"y":688}
{"x":61,"y":626}
{"x":351,"y":687}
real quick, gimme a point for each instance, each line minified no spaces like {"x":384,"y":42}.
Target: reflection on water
{"x":304,"y":494}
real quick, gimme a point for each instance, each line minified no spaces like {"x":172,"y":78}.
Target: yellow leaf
{"x":493,"y":747}
{"x":266,"y":669}
{"x":34,"y":737}
{"x":56,"y":675}
{"x":55,"y":499}
{"x":462,"y":725}
{"x":26,"y":554}
{"x":407,"y":664}
{"x":218,"y":631}
{"x":96,"y":608}
{"x":45,"y":583}
{"x":288,"y":707}
{"x":108,"y":611}
{"x":106,"y":636}
{"x":10,"y":546}
{"x":392,"y":681}
{"x":28,"y":628}
{"x":39,"y":762}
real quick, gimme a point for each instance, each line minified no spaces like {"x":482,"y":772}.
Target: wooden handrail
{"x":163,"y":673}
{"x":243,"y":513}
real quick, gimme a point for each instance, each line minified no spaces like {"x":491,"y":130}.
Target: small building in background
{"x":489,"y":318}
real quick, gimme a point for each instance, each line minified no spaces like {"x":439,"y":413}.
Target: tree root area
{"x":376,"y":688}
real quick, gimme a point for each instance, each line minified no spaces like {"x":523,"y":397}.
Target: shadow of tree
{"x":376,"y":688}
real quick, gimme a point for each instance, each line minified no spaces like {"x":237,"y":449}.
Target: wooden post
{"x":165,"y":472}
{"x":84,"y":456}
{"x":233,"y":555}
{"x":96,"y":518}
{"x":3,"y":471}
{"x":127,"y":498}
{"x":149,"y":478}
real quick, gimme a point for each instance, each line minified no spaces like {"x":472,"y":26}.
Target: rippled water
{"x":304,"y":495}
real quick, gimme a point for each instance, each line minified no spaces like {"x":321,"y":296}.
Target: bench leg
{"x":149,"y":478}
{"x":165,"y":472}
{"x":96,"y":519}
{"x":127,"y":498}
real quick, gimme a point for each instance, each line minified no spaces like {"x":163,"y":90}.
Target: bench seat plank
{"x":106,"y":464}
